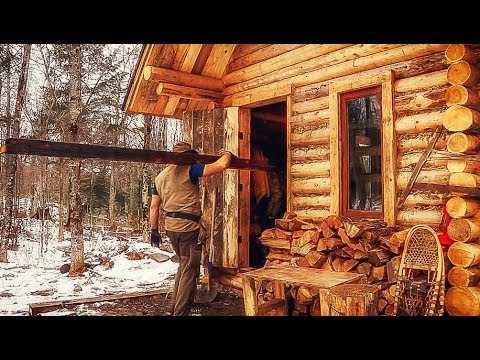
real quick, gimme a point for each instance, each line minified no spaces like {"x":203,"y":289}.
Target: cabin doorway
{"x":268,"y":140}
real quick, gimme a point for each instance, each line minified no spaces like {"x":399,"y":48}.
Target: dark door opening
{"x":268,"y":140}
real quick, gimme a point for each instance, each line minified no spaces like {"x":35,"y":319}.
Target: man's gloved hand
{"x":223,"y":151}
{"x":155,"y":238}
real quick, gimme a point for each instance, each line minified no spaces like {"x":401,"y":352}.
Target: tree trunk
{"x":61,"y":204}
{"x":111,"y":195}
{"x":74,"y":166}
{"x":147,"y":137}
{"x":11,"y":160}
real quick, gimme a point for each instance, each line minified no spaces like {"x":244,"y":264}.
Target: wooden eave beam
{"x":113,"y":153}
{"x":182,"y":78}
{"x":188,"y":92}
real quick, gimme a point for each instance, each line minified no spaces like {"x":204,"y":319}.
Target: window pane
{"x":364,"y":150}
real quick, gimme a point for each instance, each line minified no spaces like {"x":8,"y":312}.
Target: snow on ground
{"x":33,"y":275}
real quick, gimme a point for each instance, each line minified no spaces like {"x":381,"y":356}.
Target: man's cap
{"x":183,"y":146}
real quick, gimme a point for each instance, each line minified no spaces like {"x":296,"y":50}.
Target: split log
{"x":464,"y":230}
{"x":352,"y":230}
{"x":382,"y":303}
{"x":297,"y":224}
{"x":344,"y":252}
{"x":458,"y":207}
{"x":326,"y":230}
{"x":316,"y":259}
{"x":310,"y":236}
{"x":350,"y":265}
{"x":464,"y":179}
{"x":378,"y":273}
{"x":304,"y":295}
{"x":459,"y":52}
{"x":327,"y":265}
{"x":279,"y":256}
{"x":334,"y":221}
{"x":283,"y":234}
{"x":288,"y":215}
{"x":298,"y":233}
{"x":333,"y":243}
{"x":360,"y":255}
{"x":385,"y":293}
{"x":302,"y":262}
{"x":321,"y":246}
{"x":457,"y":166}
{"x":463,"y":301}
{"x":268,"y":233}
{"x":337,"y":264}
{"x":365,"y":268}
{"x":275,"y":243}
{"x":418,"y":123}
{"x":464,"y":254}
{"x":315,"y":308}
{"x":463,"y":73}
{"x":461,"y":95}
{"x":392,"y":269}
{"x":305,"y":249}
{"x":282,"y":224}
{"x":353,"y":300}
{"x":460,"y":276}
{"x":379,"y":257}
{"x":463,"y":143}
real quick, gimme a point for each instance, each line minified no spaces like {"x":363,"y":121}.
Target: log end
{"x":461,"y":301}
{"x":458,"y":276}
{"x":456,"y":207}
{"x":457,"y":118}
{"x":456,"y":95}
{"x":147,"y":72}
{"x":458,"y":73}
{"x":454,"y":52}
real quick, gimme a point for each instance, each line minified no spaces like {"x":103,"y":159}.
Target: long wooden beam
{"x":183,"y":78}
{"x":100,"y":152}
{"x":188,"y":92}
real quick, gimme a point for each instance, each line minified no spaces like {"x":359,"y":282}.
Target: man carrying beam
{"x":176,"y":190}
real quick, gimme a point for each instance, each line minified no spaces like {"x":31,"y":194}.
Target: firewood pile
{"x":339,"y":244}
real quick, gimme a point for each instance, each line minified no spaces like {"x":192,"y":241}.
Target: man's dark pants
{"x":189,"y":253}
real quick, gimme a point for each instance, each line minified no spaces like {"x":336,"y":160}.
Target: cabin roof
{"x":208,"y":60}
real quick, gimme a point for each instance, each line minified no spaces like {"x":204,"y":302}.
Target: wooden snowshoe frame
{"x":420,"y":289}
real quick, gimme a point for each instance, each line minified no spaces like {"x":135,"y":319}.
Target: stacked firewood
{"x":338,"y":244}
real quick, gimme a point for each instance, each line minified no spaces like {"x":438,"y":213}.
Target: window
{"x":361,"y":159}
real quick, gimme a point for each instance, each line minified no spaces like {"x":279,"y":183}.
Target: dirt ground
{"x":226,"y":303}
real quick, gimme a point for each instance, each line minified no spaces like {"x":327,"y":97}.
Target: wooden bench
{"x":284,"y":276}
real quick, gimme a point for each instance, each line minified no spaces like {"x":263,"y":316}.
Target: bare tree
{"x":11,"y":160}
{"x":147,"y":133}
{"x":76,"y":209}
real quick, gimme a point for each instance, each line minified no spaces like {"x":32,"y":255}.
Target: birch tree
{"x":11,"y":160}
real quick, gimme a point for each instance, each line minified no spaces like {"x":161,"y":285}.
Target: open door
{"x":225,"y":196}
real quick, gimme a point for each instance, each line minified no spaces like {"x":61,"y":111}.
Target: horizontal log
{"x":313,"y":118}
{"x":463,"y":143}
{"x":182,"y":78}
{"x":460,"y":276}
{"x":463,"y":301}
{"x":420,"y":141}
{"x":464,"y":179}
{"x":419,"y":122}
{"x":316,"y":136}
{"x":464,"y":254}
{"x":458,"y":52}
{"x":463,"y":73}
{"x":473,"y":191}
{"x":275,"y":243}
{"x":461,"y":95}
{"x":261,"y":53}
{"x":455,"y":166}
{"x":311,"y":186}
{"x":231,"y":280}
{"x":414,"y":216}
{"x":259,"y":96}
{"x":320,"y":168}
{"x":188,"y":92}
{"x":311,"y":201}
{"x":402,"y":53}
{"x":461,"y":118}
{"x":113,"y":153}
{"x":431,"y":100}
{"x":412,"y":158}
{"x":310,"y":105}
{"x":311,"y":152}
{"x":464,"y":230}
{"x":458,"y":207}
{"x":437,"y":176}
{"x":424,"y":198}
{"x":421,"y":82}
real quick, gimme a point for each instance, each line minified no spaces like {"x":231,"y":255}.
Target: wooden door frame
{"x":386,"y":81}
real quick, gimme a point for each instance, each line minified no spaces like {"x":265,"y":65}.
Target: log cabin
{"x":384,"y":132}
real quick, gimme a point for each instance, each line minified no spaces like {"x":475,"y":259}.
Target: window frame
{"x":345,"y":160}
{"x":389,"y":149}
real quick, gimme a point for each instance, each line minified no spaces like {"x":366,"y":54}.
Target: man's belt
{"x":182,"y":215}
